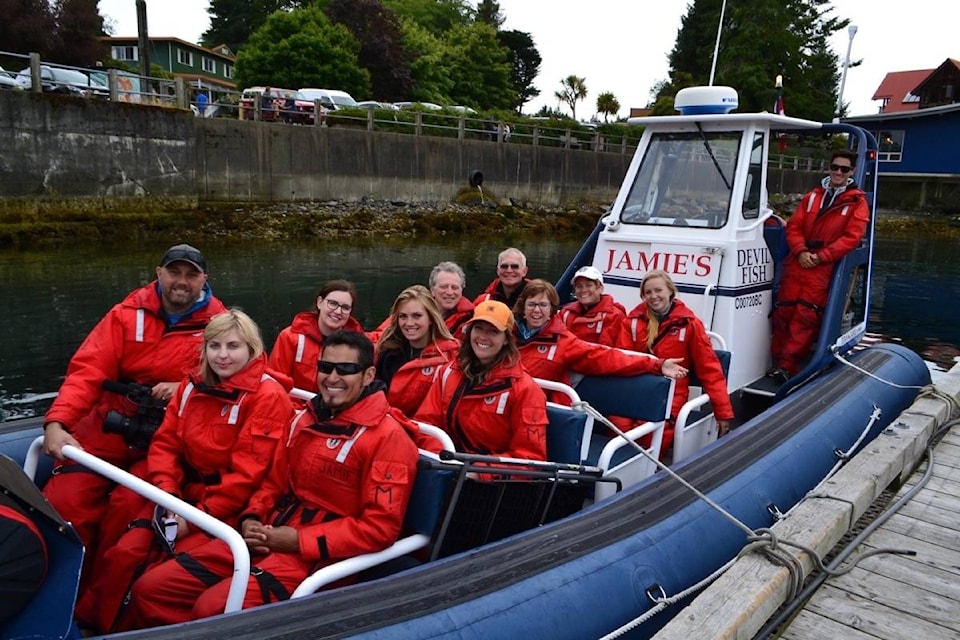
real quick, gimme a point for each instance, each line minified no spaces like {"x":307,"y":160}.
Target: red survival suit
{"x":494,"y":291}
{"x":682,"y":335}
{"x":412,"y":382}
{"x":460,"y":314}
{"x":505,"y":415}
{"x":553,"y":353}
{"x":133,"y":342}
{"x":297,"y":349}
{"x":213,"y":450}
{"x":343,"y":482}
{"x":829,"y":230}
{"x":603,"y":323}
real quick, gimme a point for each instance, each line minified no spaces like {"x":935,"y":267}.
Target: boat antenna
{"x":716,"y":47}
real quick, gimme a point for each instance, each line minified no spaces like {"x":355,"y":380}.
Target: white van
{"x":331,"y":99}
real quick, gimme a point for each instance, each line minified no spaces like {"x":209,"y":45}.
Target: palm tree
{"x":572,"y":90}
{"x":607,"y":104}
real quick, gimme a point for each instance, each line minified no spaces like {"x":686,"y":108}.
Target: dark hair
{"x":845,"y":153}
{"x":534,"y":288}
{"x":354,"y":340}
{"x":336,"y":285}
{"x":472,"y":368}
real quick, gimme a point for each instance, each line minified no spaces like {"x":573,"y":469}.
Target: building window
{"x":209,"y":64}
{"x":891,"y":145}
{"x":185,"y":57}
{"x":126,"y":53}
{"x":227,"y":71}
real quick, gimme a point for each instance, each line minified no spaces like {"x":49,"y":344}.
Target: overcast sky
{"x":621,"y":46}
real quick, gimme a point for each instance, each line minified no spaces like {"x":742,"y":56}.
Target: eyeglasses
{"x":841,"y":168}
{"x":509,"y":265}
{"x":343,"y":368}
{"x":536,"y":305}
{"x":333,"y":305}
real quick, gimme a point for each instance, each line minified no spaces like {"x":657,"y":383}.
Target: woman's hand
{"x":723,"y":426}
{"x":671,"y":368}
{"x":164,"y":390}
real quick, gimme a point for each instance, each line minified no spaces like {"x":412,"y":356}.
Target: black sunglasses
{"x":841,"y":168}
{"x":509,"y":265}
{"x":343,"y":368}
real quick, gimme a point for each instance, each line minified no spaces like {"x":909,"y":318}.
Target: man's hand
{"x":723,"y":426}
{"x":55,"y":437}
{"x":261,"y":538}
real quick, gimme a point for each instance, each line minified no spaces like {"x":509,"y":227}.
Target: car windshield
{"x":343,"y":101}
{"x":685,"y":179}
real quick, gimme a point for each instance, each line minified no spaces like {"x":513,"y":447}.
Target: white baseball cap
{"x":588,"y":272}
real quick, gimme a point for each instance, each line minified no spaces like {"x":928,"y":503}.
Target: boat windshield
{"x":684,"y":180}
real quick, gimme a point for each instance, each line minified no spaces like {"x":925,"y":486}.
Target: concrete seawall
{"x":71,"y":150}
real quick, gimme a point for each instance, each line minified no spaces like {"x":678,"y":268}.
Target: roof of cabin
{"x":897,"y":90}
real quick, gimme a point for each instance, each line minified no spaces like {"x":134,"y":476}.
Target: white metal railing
{"x":201,"y":520}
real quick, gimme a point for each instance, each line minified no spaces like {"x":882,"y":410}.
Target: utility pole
{"x":851,"y":31}
{"x":143,"y":41}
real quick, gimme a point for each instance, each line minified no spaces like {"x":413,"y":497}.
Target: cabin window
{"x":751,"y":191}
{"x":209,"y":65}
{"x":227,"y":71}
{"x":684,"y":180}
{"x":126,"y":53}
{"x":891,"y":145}
{"x":185,"y":57}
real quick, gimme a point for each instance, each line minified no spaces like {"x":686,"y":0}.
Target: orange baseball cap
{"x":494,"y":312}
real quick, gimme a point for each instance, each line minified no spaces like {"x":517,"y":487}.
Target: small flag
{"x":780,"y":110}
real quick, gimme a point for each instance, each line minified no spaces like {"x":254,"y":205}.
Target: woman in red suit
{"x":484,"y":399}
{"x":413,"y":347}
{"x":666,"y":327}
{"x":222,"y":431}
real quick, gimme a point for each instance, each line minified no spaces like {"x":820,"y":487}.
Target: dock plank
{"x":809,"y":625}
{"x":862,"y":614}
{"x":929,"y":553}
{"x":943,"y":535}
{"x":913,"y":572}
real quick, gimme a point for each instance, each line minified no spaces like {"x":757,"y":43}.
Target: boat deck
{"x":897,"y":597}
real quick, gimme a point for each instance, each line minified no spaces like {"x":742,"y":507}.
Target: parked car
{"x":459,"y":108}
{"x":276,"y":105}
{"x":331,"y":99}
{"x":8,"y":81}
{"x":418,"y":106}
{"x":61,"y":80}
{"x":373,"y":104}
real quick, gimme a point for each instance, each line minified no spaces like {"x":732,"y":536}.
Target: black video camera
{"x":136,"y":429}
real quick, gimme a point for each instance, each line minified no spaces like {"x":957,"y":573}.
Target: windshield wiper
{"x":706,"y":144}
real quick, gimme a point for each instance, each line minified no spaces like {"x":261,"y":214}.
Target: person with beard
{"x":339,"y":489}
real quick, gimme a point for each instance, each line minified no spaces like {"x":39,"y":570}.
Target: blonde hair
{"x":223,"y":323}
{"x":653,"y":322}
{"x":393,"y":338}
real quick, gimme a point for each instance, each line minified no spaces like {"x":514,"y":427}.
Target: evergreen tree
{"x":429,"y":67}
{"x":436,"y":16}
{"x":526,"y":62}
{"x":481,"y":76}
{"x":488,"y":12}
{"x":27,"y":26}
{"x":760,"y":39}
{"x":233,"y":21}
{"x":79,"y":29}
{"x":382,"y":51}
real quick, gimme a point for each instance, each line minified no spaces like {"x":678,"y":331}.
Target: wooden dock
{"x":887,"y":597}
{"x":892,"y":597}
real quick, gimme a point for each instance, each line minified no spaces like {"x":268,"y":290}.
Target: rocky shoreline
{"x":366,"y":218}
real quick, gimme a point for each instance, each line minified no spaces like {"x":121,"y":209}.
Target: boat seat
{"x":775,"y":236}
{"x":568,"y":434}
{"x":16,"y":444}
{"x":646,"y":399}
{"x":696,"y":427}
{"x":428,"y":500}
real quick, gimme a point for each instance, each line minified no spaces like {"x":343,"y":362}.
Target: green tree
{"x":382,"y":50}
{"x":573,"y":89}
{"x":759,"y":40}
{"x":302,"y":48}
{"x":608,"y":105}
{"x":436,"y":16}
{"x":233,"y":21}
{"x":429,"y":67}
{"x":526,"y":66}
{"x":482,"y":68}
{"x":488,"y":12}
{"x":79,"y":29}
